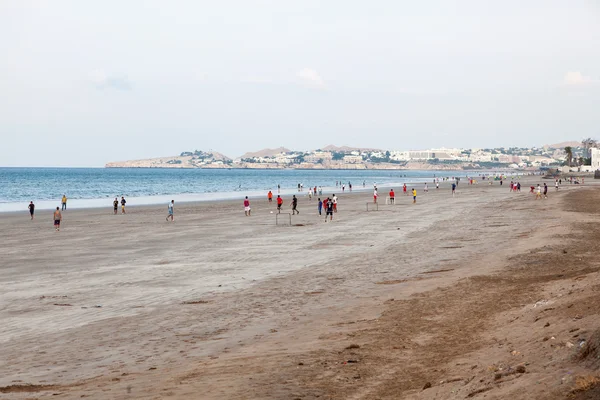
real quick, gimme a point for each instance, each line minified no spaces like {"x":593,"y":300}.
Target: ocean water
{"x":96,"y":187}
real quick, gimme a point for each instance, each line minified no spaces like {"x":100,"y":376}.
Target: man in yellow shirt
{"x":64,"y":202}
{"x":414,"y":193}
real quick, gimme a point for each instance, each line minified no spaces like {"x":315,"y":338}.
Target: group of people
{"x":57,"y":215}
{"x":116,"y":205}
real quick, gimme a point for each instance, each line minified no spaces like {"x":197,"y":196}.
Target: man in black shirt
{"x":294,"y":205}
{"x":31,"y":209}
{"x":329,"y":210}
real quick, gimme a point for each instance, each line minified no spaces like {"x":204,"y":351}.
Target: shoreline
{"x":145,"y":200}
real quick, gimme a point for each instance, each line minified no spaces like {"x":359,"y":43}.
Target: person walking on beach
{"x":123,"y":202}
{"x":545,"y":190}
{"x":404,"y":189}
{"x":329,"y":210}
{"x":556,"y":185}
{"x":64,"y":202}
{"x":270,"y":196}
{"x":375,"y":196}
{"x":171,"y":207}
{"x":57,"y":219}
{"x":453,"y":189}
{"x":334,"y":200}
{"x":426,"y":189}
{"x":247,"y":209}
{"x":294,"y":205}
{"x":392,"y":196}
{"x":309,"y":195}
{"x":320,"y":206}
{"x":414,"y":193}
{"x":279,"y":203}
{"x":115,"y":205}
{"x":31,"y":209}
{"x":519,"y":187}
{"x":538,"y":193}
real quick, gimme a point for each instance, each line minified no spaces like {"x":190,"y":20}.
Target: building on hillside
{"x":353,"y":159}
{"x":318,"y":156}
{"x":399,"y":156}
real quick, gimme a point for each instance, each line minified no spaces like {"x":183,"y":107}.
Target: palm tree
{"x":569,"y":153}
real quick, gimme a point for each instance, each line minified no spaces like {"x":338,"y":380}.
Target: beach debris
{"x":547,"y":324}
{"x":569,"y":345}
{"x":427,"y":386}
{"x":352,"y":361}
{"x":353,"y":346}
{"x":478,"y":391}
{"x":541,"y":303}
{"x":63,"y":304}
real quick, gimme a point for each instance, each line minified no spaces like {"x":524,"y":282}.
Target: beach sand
{"x":450,"y":294}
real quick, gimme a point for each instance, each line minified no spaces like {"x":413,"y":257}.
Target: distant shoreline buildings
{"x":332,"y":157}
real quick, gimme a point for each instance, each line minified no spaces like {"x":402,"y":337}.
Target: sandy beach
{"x":486,"y":294}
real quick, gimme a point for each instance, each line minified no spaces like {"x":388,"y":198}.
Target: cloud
{"x":575,"y":78}
{"x":102,"y":80}
{"x":310,"y":77}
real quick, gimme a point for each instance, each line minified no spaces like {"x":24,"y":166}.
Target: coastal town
{"x":570,"y":154}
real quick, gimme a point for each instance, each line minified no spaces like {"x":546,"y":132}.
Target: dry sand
{"x":453,"y":293}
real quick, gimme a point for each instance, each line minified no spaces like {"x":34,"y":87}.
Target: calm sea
{"x":96,"y":187}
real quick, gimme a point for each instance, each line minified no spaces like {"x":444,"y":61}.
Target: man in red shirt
{"x":279,"y":203}
{"x":392,"y":194}
{"x":247,"y":206}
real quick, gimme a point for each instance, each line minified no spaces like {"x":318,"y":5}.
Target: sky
{"x":83,"y":83}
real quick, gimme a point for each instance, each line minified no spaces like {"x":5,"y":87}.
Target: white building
{"x":595,"y":158}
{"x":353,"y":159}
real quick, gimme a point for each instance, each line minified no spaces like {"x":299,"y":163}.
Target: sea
{"x":97,"y":187}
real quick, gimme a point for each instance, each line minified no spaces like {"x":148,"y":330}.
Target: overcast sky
{"x":83,"y":83}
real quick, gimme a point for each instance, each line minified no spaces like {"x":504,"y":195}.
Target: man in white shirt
{"x":171,"y":205}
{"x":334,"y":203}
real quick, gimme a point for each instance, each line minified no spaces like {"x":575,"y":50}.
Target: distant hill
{"x":266,"y":152}
{"x":332,"y":147}
{"x":562,"y":145}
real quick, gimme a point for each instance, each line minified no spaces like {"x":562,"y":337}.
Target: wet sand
{"x":218,"y":305}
